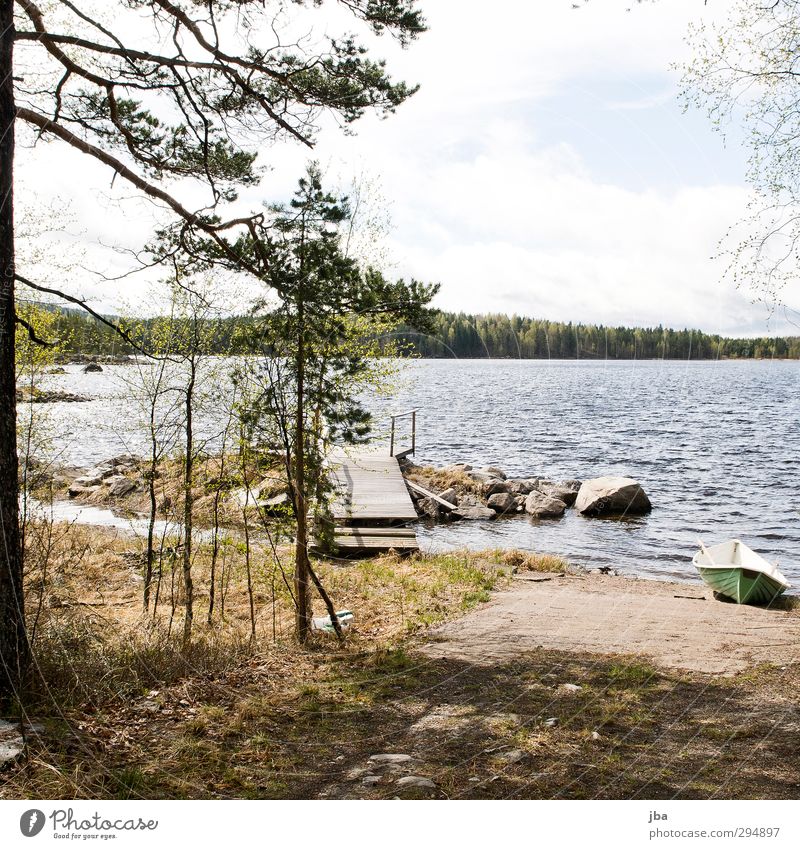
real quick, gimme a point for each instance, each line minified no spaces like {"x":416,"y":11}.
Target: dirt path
{"x":616,"y":615}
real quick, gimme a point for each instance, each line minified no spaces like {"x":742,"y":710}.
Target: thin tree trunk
{"x":13,"y":638}
{"x":337,"y":627}
{"x":214,"y":548}
{"x":301,"y":507}
{"x":187,"y":510}
{"x":151,"y":522}
{"x":249,"y":571}
{"x":246,"y":520}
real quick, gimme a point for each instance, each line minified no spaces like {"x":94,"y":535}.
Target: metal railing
{"x":407,"y":451}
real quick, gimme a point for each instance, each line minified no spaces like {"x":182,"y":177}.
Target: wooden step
{"x":376,"y":543}
{"x":375,"y":532}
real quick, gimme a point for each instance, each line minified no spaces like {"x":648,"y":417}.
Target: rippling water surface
{"x":716,"y":445}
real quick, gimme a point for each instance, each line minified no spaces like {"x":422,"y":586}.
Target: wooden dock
{"x":372,"y":509}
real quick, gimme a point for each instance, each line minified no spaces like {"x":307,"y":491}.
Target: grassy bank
{"x":126,"y":713}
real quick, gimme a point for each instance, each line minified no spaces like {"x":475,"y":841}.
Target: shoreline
{"x":663,"y":622}
{"x":674,"y":623}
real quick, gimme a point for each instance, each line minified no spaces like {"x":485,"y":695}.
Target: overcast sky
{"x":545,"y":168}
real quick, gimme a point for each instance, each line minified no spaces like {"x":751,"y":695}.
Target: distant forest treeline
{"x":494,"y":336}
{"x":501,"y":336}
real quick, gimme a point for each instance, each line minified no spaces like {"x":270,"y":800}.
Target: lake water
{"x":716,"y":445}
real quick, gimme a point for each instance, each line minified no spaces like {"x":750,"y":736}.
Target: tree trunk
{"x":151,"y":521}
{"x":301,"y":506}
{"x":13,"y":639}
{"x":188,"y":504}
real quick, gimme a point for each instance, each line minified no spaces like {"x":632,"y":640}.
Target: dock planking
{"x":371,"y":504}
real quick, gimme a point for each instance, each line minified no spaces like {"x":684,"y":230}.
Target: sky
{"x":545,"y":168}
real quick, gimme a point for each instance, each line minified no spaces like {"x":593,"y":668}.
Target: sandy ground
{"x":679,"y":626}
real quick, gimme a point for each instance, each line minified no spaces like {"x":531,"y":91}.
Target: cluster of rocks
{"x":45,"y":396}
{"x":111,"y":476}
{"x":390,"y":770}
{"x":490,"y":493}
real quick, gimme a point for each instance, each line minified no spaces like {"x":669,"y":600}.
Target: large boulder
{"x":610,"y":496}
{"x":543,"y":506}
{"x":503,"y":502}
{"x":496,"y":471}
{"x":87,"y":369}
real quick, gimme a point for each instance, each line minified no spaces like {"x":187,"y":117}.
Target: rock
{"x":481,"y":477}
{"x":92,"y":367}
{"x":450,"y":495}
{"x":561,"y":492}
{"x":120,"y":486}
{"x":276,"y":504}
{"x":12,"y":744}
{"x":572,"y":688}
{"x":429,"y":507}
{"x":390,"y":759}
{"x":46,"y":396}
{"x":523,"y":486}
{"x":612,"y":496}
{"x":88,"y":480}
{"x":57,"y":370}
{"x":495,"y":486}
{"x":458,"y":467}
{"x":469,"y":500}
{"x":596,"y":736}
{"x":540,"y":505}
{"x":512,"y":757}
{"x":473,"y":513}
{"x":551,"y":722}
{"x":371,"y":780}
{"x":495,"y":472}
{"x":122,"y":460}
{"x":75,"y":490}
{"x":416,"y":781}
{"x":503,"y":502}
{"x":244,"y":497}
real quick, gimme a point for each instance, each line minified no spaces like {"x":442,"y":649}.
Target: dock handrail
{"x":412,"y":450}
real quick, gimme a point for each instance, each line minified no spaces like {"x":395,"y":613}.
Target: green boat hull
{"x":743,"y":586}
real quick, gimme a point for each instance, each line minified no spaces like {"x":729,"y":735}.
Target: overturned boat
{"x":737,"y":572}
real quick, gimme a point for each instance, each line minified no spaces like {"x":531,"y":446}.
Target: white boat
{"x":737,"y":572}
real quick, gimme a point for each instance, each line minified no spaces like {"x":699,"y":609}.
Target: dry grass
{"x":439,"y":480}
{"x":527,"y":561}
{"x":127,"y":713}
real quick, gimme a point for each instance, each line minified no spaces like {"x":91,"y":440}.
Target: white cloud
{"x":505,"y":220}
